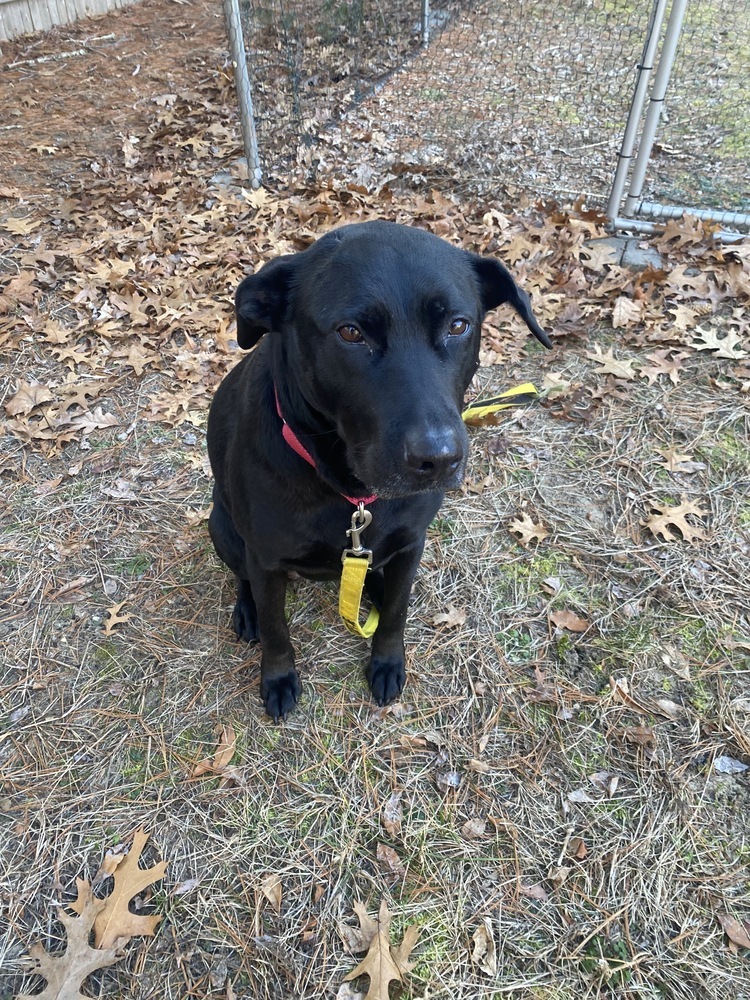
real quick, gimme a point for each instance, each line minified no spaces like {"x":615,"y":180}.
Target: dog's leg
{"x":280,"y":685}
{"x":386,"y":671}
{"x":245,"y":615}
{"x":230,"y":548}
{"x":375,"y":587}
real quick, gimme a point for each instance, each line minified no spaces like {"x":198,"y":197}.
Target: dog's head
{"x":377,"y":329}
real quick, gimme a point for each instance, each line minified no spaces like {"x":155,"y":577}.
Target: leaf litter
{"x":115,"y":307}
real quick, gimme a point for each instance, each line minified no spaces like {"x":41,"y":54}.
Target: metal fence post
{"x":656,"y":105}
{"x":244,"y":94}
{"x":636,"y":108}
{"x":425,"y":23}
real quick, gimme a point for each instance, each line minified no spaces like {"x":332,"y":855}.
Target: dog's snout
{"x":435,"y":455}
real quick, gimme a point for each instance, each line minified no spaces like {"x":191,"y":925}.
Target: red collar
{"x":296,"y":445}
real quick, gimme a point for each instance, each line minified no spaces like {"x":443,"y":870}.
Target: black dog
{"x":374,"y":338}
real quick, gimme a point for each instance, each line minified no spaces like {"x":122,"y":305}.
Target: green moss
{"x":134,"y":566}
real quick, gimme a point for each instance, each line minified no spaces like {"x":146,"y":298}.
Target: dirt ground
{"x":561,"y":800}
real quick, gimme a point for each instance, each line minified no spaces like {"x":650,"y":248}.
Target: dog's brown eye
{"x":350,"y":334}
{"x":457,"y":327}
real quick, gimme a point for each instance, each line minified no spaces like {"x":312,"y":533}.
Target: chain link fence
{"x":701,"y":156}
{"x":507,"y":99}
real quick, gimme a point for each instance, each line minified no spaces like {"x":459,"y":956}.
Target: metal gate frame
{"x":634,"y":164}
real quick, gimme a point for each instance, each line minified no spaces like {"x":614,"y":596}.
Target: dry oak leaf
{"x":382,"y":963}
{"x":115,"y":921}
{"x":27,"y":396}
{"x":271,"y":888}
{"x":222,"y":756}
{"x":725,"y":347}
{"x":451,"y":618}
{"x":675,"y":462}
{"x":66,"y":972}
{"x":738,"y":933}
{"x":569,"y":620}
{"x":527,"y":530}
{"x":626,"y":312}
{"x":484,"y":954}
{"x":115,"y":618}
{"x":659,"y":524}
{"x":663,"y":365}
{"x":610,"y":365}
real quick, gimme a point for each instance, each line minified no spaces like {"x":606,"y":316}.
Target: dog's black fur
{"x":382,"y":415}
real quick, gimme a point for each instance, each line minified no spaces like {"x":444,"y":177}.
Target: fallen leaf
{"x":222,"y":756}
{"x":392,"y":814}
{"x":734,"y":930}
{"x":659,"y":524}
{"x":20,"y":227}
{"x":65,"y":972}
{"x":670,"y":709}
{"x":451,"y":618}
{"x":609,"y":365}
{"x":625,"y":312}
{"x":382,"y":963}
{"x":484,"y":954}
{"x":473,"y":829}
{"x":728,"y":346}
{"x":115,"y":618}
{"x":554,"y":385}
{"x":643,"y":736}
{"x":576,"y":848}
{"x":558,"y":874}
{"x":533,"y":891}
{"x":527,"y":530}
{"x":675,"y":462}
{"x":569,"y":620}
{"x":28,"y":396}
{"x":580,"y":795}
{"x":271,"y":889}
{"x":115,"y":921}
{"x":663,"y":365}
{"x":448,"y":780}
{"x":390,"y":863}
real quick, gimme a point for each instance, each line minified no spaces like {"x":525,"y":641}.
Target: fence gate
{"x":500,"y":101}
{"x":694,"y":149}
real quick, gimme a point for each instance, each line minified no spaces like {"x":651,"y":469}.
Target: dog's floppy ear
{"x":497,"y":286}
{"x":260,"y":300}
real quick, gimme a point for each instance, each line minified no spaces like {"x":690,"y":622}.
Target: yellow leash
{"x":356,"y":560}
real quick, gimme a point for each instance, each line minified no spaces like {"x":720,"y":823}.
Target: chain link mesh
{"x":508,"y":98}
{"x":702,"y":154}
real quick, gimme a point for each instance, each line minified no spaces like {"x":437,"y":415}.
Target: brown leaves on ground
{"x":219,"y":763}
{"x":114,"y":923}
{"x":27,"y":396}
{"x":666,"y":517}
{"x":609,"y":365}
{"x":569,"y":620}
{"x":66,"y":972}
{"x":115,"y":618}
{"x":484,"y":953}
{"x":383,"y":963}
{"x":527,"y":531}
{"x":738,"y":933}
{"x":110,"y":919}
{"x":727,"y":346}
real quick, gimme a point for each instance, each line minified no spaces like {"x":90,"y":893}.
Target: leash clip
{"x":361,"y":519}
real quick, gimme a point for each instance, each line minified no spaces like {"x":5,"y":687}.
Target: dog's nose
{"x":435,"y":455}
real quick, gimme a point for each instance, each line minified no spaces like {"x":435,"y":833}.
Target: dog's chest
{"x":314,"y":546}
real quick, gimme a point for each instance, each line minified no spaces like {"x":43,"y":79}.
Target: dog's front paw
{"x":245,"y":621}
{"x":386,"y":677}
{"x":281,"y":694}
